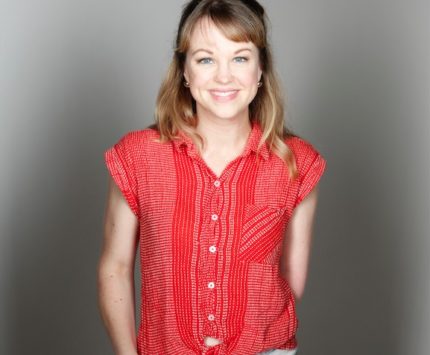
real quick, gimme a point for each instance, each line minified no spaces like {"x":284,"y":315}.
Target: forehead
{"x":206,"y":34}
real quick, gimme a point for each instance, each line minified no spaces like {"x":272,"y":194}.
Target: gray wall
{"x":75,"y":76}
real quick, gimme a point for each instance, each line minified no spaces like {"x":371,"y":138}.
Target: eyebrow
{"x":211,"y":53}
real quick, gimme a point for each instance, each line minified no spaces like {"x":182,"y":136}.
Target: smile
{"x":224,"y":96}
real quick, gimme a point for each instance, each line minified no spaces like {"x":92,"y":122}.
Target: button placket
{"x":215,"y":208}
{"x":211,"y":265}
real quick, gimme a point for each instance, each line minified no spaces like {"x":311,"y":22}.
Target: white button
{"x":212,"y":248}
{"x":214,"y":217}
{"x":211,"y":284}
{"x":217,"y":183}
{"x":211,"y":317}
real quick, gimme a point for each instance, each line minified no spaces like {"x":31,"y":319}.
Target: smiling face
{"x":223,"y":74}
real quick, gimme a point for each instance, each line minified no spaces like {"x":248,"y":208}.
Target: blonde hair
{"x":240,"y":21}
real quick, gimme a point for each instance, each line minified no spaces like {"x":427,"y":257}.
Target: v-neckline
{"x":230,"y":162}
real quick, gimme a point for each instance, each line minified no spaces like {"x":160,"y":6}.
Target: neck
{"x":224,"y":135}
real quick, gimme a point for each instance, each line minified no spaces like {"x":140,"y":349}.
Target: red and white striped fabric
{"x":209,"y":245}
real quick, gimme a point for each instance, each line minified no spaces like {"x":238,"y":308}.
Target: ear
{"x":186,"y":75}
{"x":260,"y":73}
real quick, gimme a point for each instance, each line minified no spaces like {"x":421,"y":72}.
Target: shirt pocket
{"x":262,"y":232}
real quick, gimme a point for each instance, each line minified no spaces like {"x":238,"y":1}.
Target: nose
{"x":223,"y":73}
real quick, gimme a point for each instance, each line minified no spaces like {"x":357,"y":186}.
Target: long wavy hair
{"x":240,"y":21}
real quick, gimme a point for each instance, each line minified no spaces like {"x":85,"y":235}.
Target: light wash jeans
{"x":279,"y":352}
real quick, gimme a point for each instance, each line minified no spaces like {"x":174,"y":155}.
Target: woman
{"x":220,"y":196}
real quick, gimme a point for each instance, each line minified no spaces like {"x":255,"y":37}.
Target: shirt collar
{"x":184,"y":141}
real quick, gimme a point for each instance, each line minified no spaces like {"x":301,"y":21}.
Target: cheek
{"x":250,"y":77}
{"x":199,"y":80}
{"x":196,"y":76}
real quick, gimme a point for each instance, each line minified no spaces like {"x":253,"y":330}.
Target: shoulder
{"x":140,"y":136}
{"x":305,"y":154}
{"x":299,"y":146}
{"x":140,"y":140}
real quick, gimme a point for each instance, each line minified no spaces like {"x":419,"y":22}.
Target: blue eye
{"x":240,"y":59}
{"x":205,"y":61}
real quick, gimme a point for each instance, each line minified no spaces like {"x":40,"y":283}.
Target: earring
{"x":186,"y":84}
{"x":260,"y":84}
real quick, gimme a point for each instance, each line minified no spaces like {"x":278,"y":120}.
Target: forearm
{"x":117,"y":307}
{"x":296,"y":280}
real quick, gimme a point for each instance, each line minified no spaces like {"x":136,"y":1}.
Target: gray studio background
{"x":77,"y":75}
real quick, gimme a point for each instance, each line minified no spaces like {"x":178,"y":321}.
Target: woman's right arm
{"x":116,"y":272}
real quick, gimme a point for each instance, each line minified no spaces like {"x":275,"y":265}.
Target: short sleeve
{"x":311,"y":166}
{"x":119,"y":163}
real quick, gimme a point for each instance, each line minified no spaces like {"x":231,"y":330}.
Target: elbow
{"x":111,"y":270}
{"x":112,"y":278}
{"x":297,"y":289}
{"x":296,"y":284}
{"x":298,"y":295}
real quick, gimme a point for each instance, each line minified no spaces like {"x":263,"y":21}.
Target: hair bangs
{"x":238,"y":28}
{"x":238,"y":25}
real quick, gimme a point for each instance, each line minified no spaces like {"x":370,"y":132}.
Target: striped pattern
{"x":209,"y":245}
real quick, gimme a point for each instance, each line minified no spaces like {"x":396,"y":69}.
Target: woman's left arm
{"x":297,"y":244}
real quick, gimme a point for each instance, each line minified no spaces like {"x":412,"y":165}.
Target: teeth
{"x":223,"y":93}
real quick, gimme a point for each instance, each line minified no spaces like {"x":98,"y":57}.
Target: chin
{"x":223,"y":111}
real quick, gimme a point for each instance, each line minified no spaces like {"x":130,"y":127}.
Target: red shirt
{"x":210,"y":246}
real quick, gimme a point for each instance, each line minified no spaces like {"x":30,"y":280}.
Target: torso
{"x":198,"y":230}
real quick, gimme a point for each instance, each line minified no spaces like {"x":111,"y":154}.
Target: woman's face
{"x":223,"y":75}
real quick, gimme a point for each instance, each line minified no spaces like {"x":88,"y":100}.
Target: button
{"x":217,"y":183}
{"x":211,"y":284}
{"x":214,"y":217}
{"x":212,"y":248}
{"x":211,"y":317}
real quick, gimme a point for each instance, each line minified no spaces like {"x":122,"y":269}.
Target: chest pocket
{"x":262,"y":232}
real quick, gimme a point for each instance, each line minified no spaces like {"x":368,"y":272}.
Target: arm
{"x":116,"y":272}
{"x":297,"y":244}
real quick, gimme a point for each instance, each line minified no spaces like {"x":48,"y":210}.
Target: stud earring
{"x":186,"y":84}
{"x":260,"y":84}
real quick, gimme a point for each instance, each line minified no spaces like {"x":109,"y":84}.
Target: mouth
{"x":224,"y":95}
